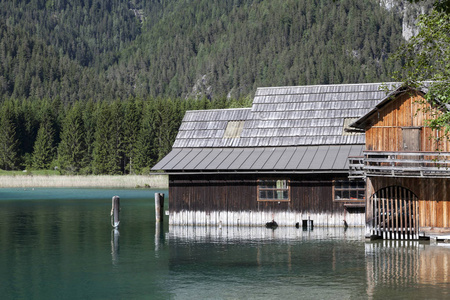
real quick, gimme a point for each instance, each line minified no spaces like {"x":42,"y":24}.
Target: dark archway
{"x":395,"y":212}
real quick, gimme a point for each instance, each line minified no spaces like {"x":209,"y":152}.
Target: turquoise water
{"x":59,"y":244}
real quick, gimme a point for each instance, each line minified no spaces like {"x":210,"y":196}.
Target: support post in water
{"x":115,"y":211}
{"x":159,"y":207}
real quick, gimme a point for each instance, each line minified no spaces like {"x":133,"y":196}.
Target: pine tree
{"x":90,"y":124}
{"x":8,"y":140}
{"x":108,"y":144}
{"x":146,"y":145}
{"x":132,"y":120}
{"x":44,"y":149}
{"x":72,"y":149}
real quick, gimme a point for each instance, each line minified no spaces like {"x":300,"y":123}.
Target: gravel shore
{"x":128,"y":181}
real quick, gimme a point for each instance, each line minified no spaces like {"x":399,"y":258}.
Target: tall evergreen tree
{"x":72,"y":150}
{"x":44,"y":147}
{"x":8,"y":140}
{"x":90,"y":124}
{"x":146,"y":149}
{"x":108,"y":146}
{"x":131,"y":126}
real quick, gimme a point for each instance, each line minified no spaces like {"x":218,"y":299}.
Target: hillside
{"x":114,"y":49}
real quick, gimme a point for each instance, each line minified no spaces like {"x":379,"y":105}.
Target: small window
{"x":346,"y":190}
{"x":273,"y":190}
{"x":234,"y":129}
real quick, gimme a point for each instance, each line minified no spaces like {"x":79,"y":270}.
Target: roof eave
{"x":361,"y":123}
{"x":247,"y":172}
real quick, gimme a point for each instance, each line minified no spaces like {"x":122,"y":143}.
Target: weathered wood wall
{"x":311,"y":198}
{"x":433,"y":195}
{"x":407,"y":110}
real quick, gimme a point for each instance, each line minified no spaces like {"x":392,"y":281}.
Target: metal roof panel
{"x":203,"y":165}
{"x":219,"y":159}
{"x":177,"y":158}
{"x":163,"y":162}
{"x":307,"y":158}
{"x":319,"y":157}
{"x":192,"y":165}
{"x":263,"y":158}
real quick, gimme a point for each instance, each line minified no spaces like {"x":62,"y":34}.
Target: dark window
{"x":273,"y":190}
{"x":346,"y":190}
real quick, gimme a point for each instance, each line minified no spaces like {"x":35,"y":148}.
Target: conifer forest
{"x":101,"y":86}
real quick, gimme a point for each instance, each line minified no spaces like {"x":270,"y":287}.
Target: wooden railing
{"x":406,"y":164}
{"x":356,"y":165}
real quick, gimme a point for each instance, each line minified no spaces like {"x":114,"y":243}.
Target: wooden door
{"x":411,"y":138}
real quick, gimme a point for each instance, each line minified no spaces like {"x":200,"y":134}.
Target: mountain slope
{"x":177,"y":48}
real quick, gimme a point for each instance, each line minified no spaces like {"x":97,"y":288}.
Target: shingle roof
{"x":282,"y":124}
{"x":285,"y":116}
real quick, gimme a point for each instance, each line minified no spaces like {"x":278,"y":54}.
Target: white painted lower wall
{"x":254,"y":234}
{"x":255,"y":218}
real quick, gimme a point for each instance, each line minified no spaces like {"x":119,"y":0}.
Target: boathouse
{"x":406,"y":165}
{"x":285,"y":159}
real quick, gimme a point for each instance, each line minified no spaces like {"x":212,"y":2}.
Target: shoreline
{"x":85,"y":181}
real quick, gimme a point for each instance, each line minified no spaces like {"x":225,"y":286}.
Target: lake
{"x":59,"y":244}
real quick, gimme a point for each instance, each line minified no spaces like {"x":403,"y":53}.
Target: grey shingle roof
{"x":285,"y":116}
{"x":287,"y":128}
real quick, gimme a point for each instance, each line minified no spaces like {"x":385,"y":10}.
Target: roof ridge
{"x":218,"y":109}
{"x":328,"y":85}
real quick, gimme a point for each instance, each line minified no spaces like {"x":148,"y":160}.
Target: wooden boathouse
{"x":406,"y":165}
{"x":283,"y":159}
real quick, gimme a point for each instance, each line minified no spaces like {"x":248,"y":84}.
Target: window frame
{"x":288,"y":189}
{"x":349,"y":189}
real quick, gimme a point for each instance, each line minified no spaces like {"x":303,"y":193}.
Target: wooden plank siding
{"x":433,"y":196}
{"x":310,"y":195}
{"x":407,"y":110}
{"x":404,"y":117}
{"x":239,"y":192}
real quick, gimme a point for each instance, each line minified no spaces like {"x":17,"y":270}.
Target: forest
{"x":104,"y":137}
{"x":101,"y":86}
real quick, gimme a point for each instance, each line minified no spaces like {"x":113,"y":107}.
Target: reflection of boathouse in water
{"x":287,"y":159}
{"x":380,"y":269}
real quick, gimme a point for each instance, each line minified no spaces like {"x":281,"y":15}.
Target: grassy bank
{"x":129,"y":181}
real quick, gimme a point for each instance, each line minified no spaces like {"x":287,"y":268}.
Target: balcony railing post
{"x":405,"y":164}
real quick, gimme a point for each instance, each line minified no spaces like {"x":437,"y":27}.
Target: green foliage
{"x":8,"y":139}
{"x":426,"y":58}
{"x":44,"y":149}
{"x":101,"y":86}
{"x":72,"y":150}
{"x":115,"y":49}
{"x":439,"y":5}
{"x":108,"y":151}
{"x":146,"y":146}
{"x":118,"y":137}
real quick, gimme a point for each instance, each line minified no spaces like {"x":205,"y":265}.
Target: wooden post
{"x":115,"y":245}
{"x":115,"y":211}
{"x":159,"y":235}
{"x":159,"y":207}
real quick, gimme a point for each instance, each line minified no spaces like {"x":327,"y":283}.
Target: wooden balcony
{"x":356,"y":167}
{"x":406,"y":164}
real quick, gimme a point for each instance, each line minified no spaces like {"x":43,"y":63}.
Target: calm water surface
{"x":59,"y":244}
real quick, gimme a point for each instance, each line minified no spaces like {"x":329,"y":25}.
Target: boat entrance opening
{"x":395,"y":213}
